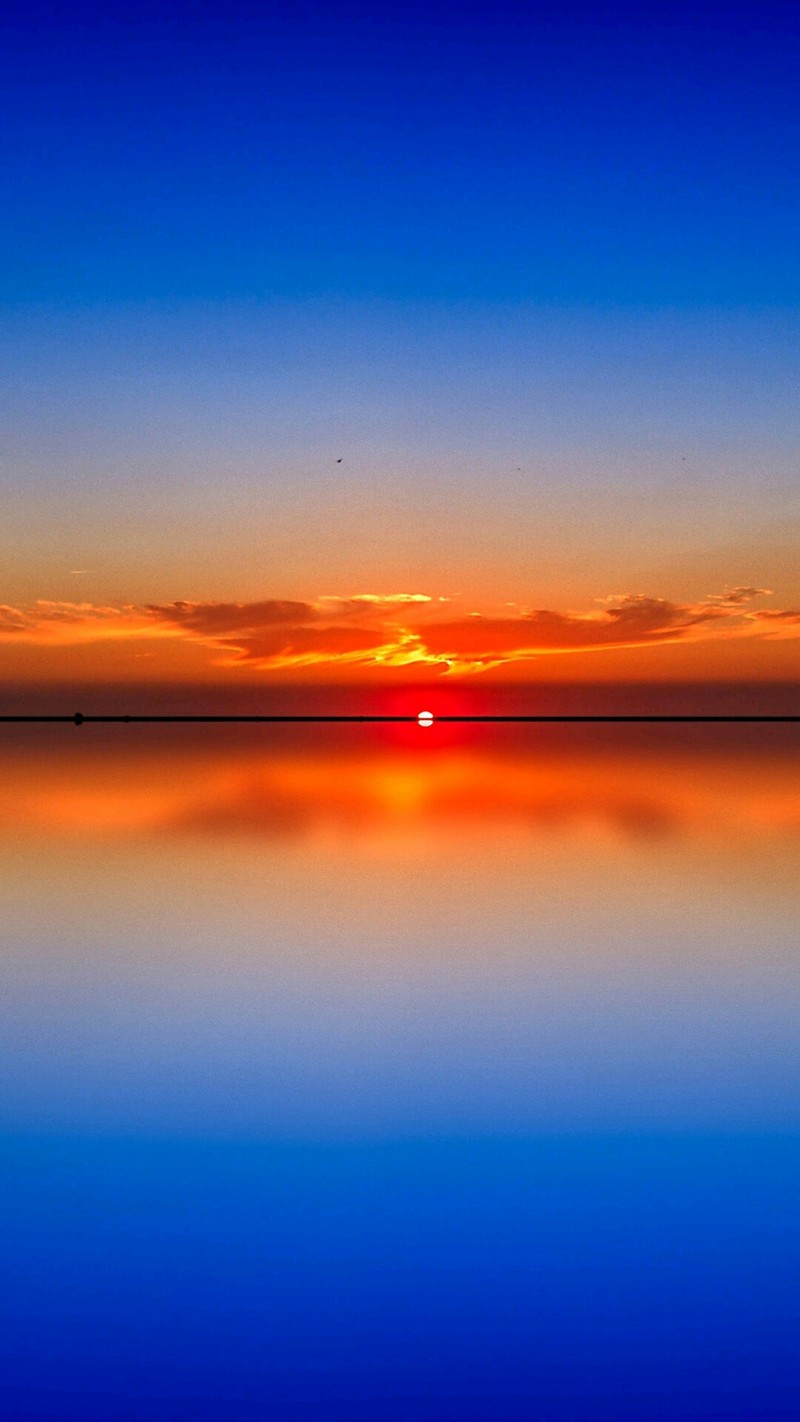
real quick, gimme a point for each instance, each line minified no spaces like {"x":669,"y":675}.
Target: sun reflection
{"x":281,"y":790}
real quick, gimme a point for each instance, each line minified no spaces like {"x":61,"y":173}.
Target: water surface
{"x":370,"y":1076}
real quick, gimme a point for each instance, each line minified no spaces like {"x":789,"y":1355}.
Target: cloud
{"x":778,"y":626}
{"x":378,"y":600}
{"x":390,"y":606}
{"x":270,"y":633}
{"x":70,"y":623}
{"x":12,"y":621}
{"x":213,"y":619}
{"x":304,"y":646}
{"x":735,"y":597}
{"x":395,"y":630}
{"x":278,"y":633}
{"x":630,"y":621}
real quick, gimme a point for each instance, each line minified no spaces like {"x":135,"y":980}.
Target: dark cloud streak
{"x":214,"y":619}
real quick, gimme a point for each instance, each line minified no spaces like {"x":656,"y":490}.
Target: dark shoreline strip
{"x":79,"y":719}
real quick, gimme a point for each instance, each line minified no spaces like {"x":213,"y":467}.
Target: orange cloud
{"x":778,"y":625}
{"x":296,"y":646}
{"x":214,"y":619}
{"x":70,"y":623}
{"x":734,"y":597}
{"x":399,"y":629}
{"x":379,"y":602}
{"x":628,"y":622}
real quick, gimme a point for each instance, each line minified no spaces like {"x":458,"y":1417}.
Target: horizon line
{"x":78,"y":718}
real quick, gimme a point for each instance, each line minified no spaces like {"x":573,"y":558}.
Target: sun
{"x":425,"y":718}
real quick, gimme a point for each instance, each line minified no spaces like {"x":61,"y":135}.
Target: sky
{"x":355,"y":341}
{"x":351,"y":351}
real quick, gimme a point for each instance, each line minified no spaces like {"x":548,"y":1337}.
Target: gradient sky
{"x":528,"y":271}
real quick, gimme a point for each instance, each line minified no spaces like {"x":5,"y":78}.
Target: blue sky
{"x":528,"y":272}
{"x":623,"y":154}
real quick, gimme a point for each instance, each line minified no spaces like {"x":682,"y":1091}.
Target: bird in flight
{"x":338,"y":461}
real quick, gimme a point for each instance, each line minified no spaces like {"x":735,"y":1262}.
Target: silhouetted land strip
{"x":78,"y":718}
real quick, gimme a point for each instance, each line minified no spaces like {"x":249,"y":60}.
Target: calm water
{"x":380,"y":1077}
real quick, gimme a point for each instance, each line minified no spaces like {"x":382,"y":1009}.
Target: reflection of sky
{"x":378,"y":1084}
{"x":383,"y":940}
